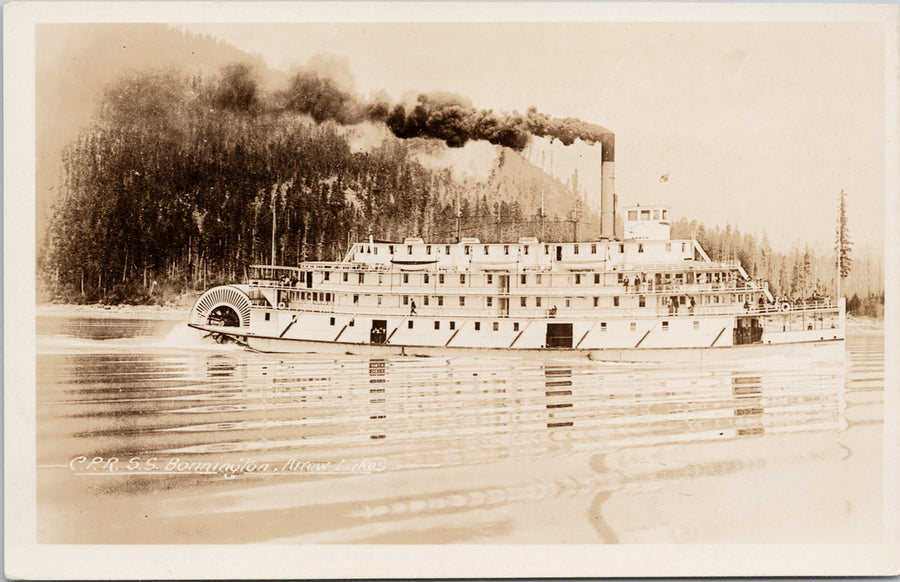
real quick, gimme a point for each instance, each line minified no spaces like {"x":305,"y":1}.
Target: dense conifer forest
{"x":176,"y":183}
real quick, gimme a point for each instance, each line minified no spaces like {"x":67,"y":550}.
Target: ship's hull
{"x":817,"y":349}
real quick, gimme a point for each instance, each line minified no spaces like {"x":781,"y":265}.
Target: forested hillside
{"x":176,"y":183}
{"x":796,"y":274}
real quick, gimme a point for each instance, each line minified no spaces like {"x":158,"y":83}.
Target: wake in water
{"x":101,"y":336}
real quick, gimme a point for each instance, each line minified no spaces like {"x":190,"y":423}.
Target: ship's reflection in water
{"x":463,"y":449}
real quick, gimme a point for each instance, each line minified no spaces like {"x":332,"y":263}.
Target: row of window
{"x":579,"y":278}
{"x":467,"y":249}
{"x":451,"y":325}
{"x":645,"y":214}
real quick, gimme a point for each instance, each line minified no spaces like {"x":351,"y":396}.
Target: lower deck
{"x":541,"y":333}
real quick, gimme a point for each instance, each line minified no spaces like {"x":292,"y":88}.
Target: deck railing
{"x":560,"y":313}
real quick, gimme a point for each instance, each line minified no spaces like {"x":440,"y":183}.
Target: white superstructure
{"x":644,"y":297}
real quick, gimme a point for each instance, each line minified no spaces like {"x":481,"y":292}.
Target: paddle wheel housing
{"x":222,"y":306}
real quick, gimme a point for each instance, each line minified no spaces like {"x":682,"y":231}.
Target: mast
{"x":458,"y":216}
{"x":542,"y":212}
{"x":274,"y":193}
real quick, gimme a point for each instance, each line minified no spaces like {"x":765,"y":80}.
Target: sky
{"x":756,"y":124}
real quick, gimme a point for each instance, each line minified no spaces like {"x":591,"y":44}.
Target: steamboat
{"x":637,"y":297}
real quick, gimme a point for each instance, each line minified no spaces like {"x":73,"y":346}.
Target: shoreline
{"x":113,"y":311}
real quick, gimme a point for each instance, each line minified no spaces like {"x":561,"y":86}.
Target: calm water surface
{"x":148,"y":434}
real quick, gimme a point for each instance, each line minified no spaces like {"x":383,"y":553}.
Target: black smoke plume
{"x":437,"y":115}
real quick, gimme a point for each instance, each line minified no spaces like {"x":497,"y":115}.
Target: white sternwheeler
{"x":639,"y":297}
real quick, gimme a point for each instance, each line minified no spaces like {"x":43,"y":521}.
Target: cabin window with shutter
{"x":268,"y":315}
{"x":327,"y":275}
{"x":408,"y":249}
{"x":546,"y":249}
{"x":362,"y":277}
{"x":425,"y":280}
{"x":452,"y":325}
{"x":496,"y":326}
{"x":441,"y":278}
{"x":477,"y":326}
{"x":578,"y":279}
{"x":615,"y":300}
{"x":466,"y":249}
{"x":462,"y":279}
{"x":640,"y":247}
{"x":379,"y":300}
{"x":355,"y":299}
{"x":486,"y":249}
{"x":505,"y":249}
{"x":523,"y":301}
{"x":593,"y":249}
{"x":490,"y":301}
{"x":668,"y":247}
{"x":696,"y":325}
{"x":437,"y":325}
{"x":427,"y":249}
{"x":515,"y":326}
{"x":447,"y":250}
{"x":346,"y":275}
{"x":596,"y":301}
{"x":642,"y":301}
{"x":409,"y":324}
{"x":575,"y":249}
{"x":537,"y":279}
{"x":440,"y":300}
{"x":390,"y":249}
{"x":332,"y":321}
{"x":568,"y":302}
{"x":525,"y":249}
{"x":524,"y":279}
{"x":462,"y":301}
{"x":602,"y":326}
{"x":632,"y":326}
{"x":665,"y":326}
{"x":537,"y":301}
{"x":596,"y":278}
{"x":406,"y":277}
{"x":621,"y":248}
{"x":490,"y":279}
{"x":425,"y":300}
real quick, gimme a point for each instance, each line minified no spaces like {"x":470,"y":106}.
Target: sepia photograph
{"x":394,"y":289}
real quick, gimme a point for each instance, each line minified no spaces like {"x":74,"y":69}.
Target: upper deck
{"x":528,"y":254}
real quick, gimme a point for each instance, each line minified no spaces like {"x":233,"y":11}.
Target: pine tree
{"x":842,"y":243}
